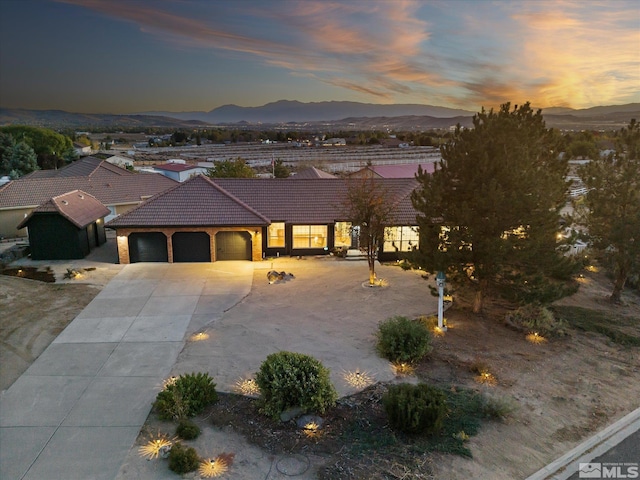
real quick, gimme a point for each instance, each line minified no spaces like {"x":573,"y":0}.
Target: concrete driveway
{"x":76,"y":412}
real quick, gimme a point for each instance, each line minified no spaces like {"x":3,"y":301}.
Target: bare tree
{"x":369,"y":208}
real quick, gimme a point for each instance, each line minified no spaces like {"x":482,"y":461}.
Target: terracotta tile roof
{"x":111,"y":185}
{"x":78,"y":207}
{"x":312,"y":172}
{"x":408,"y":170}
{"x":196,"y":202}
{"x":85,"y":167}
{"x":313,"y":200}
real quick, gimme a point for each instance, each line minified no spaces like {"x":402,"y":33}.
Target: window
{"x":275,"y":235}
{"x":342,"y":234}
{"x":400,"y":239}
{"x":309,"y":236}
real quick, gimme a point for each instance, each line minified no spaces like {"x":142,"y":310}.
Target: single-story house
{"x":81,"y":149}
{"x":206,"y":219}
{"x":405,"y":170}
{"x":65,"y":227}
{"x":179,"y":172}
{"x":116,"y":188}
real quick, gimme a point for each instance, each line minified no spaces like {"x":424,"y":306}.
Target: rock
{"x":291,"y":413}
{"x":305,"y":420}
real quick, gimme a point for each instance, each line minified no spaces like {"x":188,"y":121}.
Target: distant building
{"x":179,"y":171}
{"x":407,"y":170}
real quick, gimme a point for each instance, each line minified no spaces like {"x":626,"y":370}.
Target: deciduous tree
{"x":237,"y":168}
{"x":369,"y":208}
{"x":613,"y":205}
{"x":490,"y":212}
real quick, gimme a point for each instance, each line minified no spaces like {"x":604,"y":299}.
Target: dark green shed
{"x":66,"y":227}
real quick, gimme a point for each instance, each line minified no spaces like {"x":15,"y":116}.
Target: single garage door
{"x":233,"y":246}
{"x":191,"y":247}
{"x":148,"y":247}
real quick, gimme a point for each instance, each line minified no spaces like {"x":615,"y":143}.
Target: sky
{"x":126,"y":56}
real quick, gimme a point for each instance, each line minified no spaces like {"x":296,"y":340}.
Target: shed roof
{"x":77,"y":206}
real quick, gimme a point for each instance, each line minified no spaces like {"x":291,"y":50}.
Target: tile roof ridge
{"x":153,"y":197}
{"x":233,"y":197}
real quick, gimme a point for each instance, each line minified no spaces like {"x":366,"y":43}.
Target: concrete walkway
{"x":76,"y":412}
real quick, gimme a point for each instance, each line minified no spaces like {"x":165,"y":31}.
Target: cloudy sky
{"x":122,"y":56}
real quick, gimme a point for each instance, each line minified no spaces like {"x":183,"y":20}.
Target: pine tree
{"x":490,"y":213}
{"x":613,"y":203}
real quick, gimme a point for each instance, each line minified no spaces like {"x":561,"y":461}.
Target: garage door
{"x":233,"y":246}
{"x":191,"y":247}
{"x":148,"y":247}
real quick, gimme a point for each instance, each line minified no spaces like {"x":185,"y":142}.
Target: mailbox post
{"x":440,"y":281}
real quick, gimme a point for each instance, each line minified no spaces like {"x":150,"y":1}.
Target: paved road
{"x":627,"y":451}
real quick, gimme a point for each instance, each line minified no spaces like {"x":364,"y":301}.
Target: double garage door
{"x":188,"y":246}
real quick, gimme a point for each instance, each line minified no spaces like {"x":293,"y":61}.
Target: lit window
{"x":309,"y":236}
{"x":275,"y":235}
{"x":342,"y":234}
{"x":400,"y":239}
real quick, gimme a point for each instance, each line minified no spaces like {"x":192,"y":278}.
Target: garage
{"x":233,"y":246}
{"x":148,"y":247}
{"x":191,"y":247}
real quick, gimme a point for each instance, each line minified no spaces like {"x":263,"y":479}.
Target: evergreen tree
{"x":490,"y":213}
{"x":613,"y":205}
{"x":17,"y":160}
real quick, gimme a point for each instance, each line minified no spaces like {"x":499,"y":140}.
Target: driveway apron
{"x":76,"y":412}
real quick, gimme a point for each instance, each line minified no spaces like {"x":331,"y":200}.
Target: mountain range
{"x":334,"y":114}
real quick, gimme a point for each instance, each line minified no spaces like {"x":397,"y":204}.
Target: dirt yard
{"x":564,"y":390}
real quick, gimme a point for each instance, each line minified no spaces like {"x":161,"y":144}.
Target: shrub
{"x":288,"y":380}
{"x":187,"y":430}
{"x":415,"y":408}
{"x":535,"y":318}
{"x":403,"y":340}
{"x":186,"y":397}
{"x":183,"y":460}
{"x":496,"y":407}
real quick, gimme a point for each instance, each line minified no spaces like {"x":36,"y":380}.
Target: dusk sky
{"x":124,"y":56}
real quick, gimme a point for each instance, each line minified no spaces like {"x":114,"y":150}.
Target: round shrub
{"x":403,"y":340}
{"x":287,"y":380}
{"x":535,"y":318}
{"x":183,"y":460}
{"x":186,"y":397}
{"x":187,"y":430}
{"x":415,"y":408}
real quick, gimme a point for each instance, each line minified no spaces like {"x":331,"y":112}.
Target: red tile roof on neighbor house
{"x":259,"y":201}
{"x":110,"y":184}
{"x":196,"y":202}
{"x":408,"y":170}
{"x":78,"y":207}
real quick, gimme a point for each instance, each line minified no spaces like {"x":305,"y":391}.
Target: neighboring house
{"x":122,"y":162}
{"x":66,"y":227}
{"x":178,"y":171}
{"x":312,"y":172}
{"x":82,"y":150}
{"x":116,"y":188}
{"x":205,"y":220}
{"x":407,"y":170}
